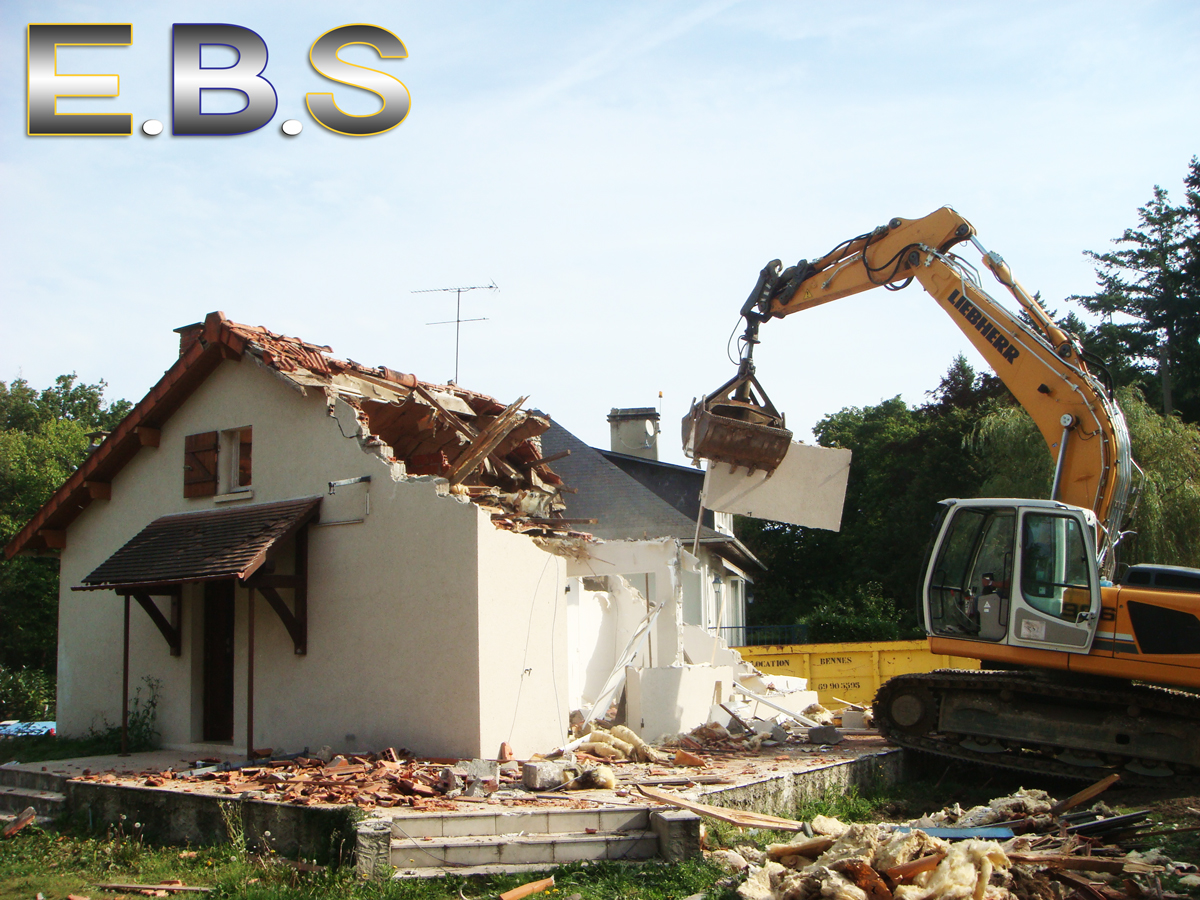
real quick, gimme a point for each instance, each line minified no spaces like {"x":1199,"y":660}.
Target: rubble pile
{"x":1033,"y":851}
{"x":367,"y":781}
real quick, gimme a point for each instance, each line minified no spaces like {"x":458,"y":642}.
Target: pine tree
{"x":1149,"y":301}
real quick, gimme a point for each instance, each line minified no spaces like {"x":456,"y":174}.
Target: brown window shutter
{"x":200,"y":464}
{"x":245,"y":446}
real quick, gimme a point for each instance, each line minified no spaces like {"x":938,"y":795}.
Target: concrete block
{"x":372,"y":849}
{"x":853,"y":718}
{"x":542,"y":775}
{"x":483,"y":769}
{"x":678,"y":833}
{"x":826,"y":734}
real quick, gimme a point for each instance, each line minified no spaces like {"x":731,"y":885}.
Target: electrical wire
{"x":524,"y":659}
{"x":736,"y":325}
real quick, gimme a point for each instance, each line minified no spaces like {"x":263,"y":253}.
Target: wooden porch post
{"x":125,"y":686}
{"x":250,"y":677}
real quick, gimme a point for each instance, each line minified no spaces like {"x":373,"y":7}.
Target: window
{"x":1055,"y":567}
{"x":970,"y":584}
{"x":217,"y":462}
{"x":237,"y":444}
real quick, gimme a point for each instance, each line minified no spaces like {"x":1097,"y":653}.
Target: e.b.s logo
{"x":190,"y":78}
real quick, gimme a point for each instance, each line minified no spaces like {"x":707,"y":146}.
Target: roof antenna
{"x":458,"y":319}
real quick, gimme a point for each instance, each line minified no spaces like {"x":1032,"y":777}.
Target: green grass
{"x":56,"y":865}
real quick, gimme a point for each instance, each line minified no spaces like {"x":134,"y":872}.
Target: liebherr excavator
{"x":1081,"y":676}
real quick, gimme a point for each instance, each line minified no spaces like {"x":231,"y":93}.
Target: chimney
{"x":634,"y":432}
{"x":188,"y":335}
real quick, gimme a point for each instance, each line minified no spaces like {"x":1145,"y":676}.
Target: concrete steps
{"x":416,"y":845}
{"x":537,"y":850}
{"x":21,"y":788}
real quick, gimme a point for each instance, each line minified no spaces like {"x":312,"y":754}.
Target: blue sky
{"x":621,"y":170}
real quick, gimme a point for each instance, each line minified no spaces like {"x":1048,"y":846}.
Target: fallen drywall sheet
{"x":807,"y":489}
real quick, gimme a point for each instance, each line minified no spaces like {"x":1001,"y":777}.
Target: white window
{"x":236,"y":460}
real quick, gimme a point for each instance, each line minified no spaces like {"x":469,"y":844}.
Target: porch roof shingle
{"x":202,"y":546}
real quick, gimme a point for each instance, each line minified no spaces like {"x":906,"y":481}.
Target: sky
{"x":621,"y":171}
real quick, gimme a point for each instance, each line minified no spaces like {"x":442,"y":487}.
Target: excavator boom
{"x":1040,"y":364}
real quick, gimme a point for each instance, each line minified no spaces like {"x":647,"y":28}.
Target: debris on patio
{"x":708,"y":755}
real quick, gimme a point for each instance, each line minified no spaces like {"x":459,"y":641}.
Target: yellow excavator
{"x":1082,"y":677}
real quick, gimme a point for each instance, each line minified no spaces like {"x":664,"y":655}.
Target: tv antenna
{"x":458,"y":319}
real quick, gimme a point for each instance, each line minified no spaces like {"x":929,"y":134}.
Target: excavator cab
{"x":1016,"y":572}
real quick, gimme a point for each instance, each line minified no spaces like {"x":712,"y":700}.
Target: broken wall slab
{"x":808,"y":488}
{"x":662,"y":702}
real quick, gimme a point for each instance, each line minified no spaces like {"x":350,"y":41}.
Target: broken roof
{"x":485,"y":449}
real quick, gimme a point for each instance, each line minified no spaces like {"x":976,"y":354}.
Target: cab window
{"x":1056,"y":571}
{"x":970,"y":582}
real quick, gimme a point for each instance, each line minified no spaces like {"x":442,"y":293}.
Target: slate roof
{"x":624,"y":508}
{"x":202,"y":546}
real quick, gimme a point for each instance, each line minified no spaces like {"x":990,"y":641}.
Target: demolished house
{"x":299,"y":551}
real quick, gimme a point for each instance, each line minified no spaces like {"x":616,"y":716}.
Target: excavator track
{"x":1040,"y":723}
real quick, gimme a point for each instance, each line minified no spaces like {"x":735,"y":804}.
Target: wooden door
{"x":218,"y":661}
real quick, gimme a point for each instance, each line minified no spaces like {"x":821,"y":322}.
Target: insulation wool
{"x":965,"y":872}
{"x":818,"y":714}
{"x":758,"y":884}
{"x":904,"y":848}
{"x":1002,"y":809}
{"x":856,"y":842}
{"x":1022,"y":803}
{"x":828,"y":825}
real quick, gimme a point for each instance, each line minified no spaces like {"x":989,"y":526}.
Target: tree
{"x":1166,"y":519}
{"x":43,"y":439}
{"x":1149,"y":301}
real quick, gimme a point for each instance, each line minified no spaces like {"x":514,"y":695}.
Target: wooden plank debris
{"x":169,"y":887}
{"x":533,"y":887}
{"x":27,"y":816}
{"x":1085,"y":795}
{"x":733,"y":816}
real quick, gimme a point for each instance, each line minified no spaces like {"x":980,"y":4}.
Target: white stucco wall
{"x":600,"y":625}
{"x":417,"y":615}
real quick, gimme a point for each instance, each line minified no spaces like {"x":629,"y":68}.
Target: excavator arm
{"x":1040,"y":364}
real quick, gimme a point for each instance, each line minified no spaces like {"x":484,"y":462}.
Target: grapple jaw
{"x":737,"y":424}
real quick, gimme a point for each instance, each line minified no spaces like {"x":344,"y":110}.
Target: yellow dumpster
{"x":850,"y":672}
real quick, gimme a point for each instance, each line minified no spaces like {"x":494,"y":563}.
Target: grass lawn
{"x":56,"y":865}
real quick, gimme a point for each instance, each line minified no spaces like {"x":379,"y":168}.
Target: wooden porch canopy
{"x":212,"y":545}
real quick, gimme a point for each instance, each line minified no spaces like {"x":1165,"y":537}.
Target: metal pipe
{"x":125,"y":686}
{"x":1068,"y":422}
{"x":250,"y":677}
